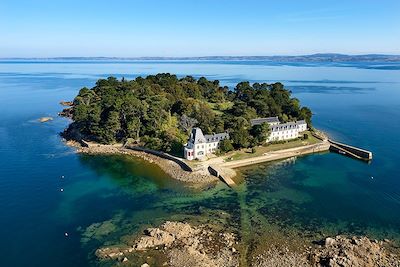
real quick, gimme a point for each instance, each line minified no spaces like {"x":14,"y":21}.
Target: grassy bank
{"x":261,"y":150}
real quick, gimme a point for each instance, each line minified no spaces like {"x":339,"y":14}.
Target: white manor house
{"x":282,"y":131}
{"x":200,"y":145}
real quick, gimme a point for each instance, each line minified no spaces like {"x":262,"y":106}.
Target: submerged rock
{"x":45,"y":119}
{"x":98,"y":231}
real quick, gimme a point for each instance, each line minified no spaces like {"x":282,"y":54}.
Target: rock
{"x":155,"y":237}
{"x":183,"y":244}
{"x":125,"y":259}
{"x":280,"y":257}
{"x":329,"y":242}
{"x":66,"y":112}
{"x":144,"y":265}
{"x":355,"y":251}
{"x":111,"y":253}
{"x":45,"y":119}
{"x":66,"y":103}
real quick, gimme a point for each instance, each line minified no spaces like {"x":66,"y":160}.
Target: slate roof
{"x":198,"y":137}
{"x":216,"y":137}
{"x":282,"y":126}
{"x":259,"y":121}
{"x":287,"y":126}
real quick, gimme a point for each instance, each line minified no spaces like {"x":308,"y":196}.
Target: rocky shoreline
{"x":195,"y":179}
{"x":182,"y":244}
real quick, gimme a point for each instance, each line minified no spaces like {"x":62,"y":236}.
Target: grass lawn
{"x":260,"y":150}
{"x":218,"y":108}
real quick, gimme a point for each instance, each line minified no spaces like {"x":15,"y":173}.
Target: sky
{"x":136,"y":28}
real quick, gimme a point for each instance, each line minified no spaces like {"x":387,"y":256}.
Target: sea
{"x":57,"y":207}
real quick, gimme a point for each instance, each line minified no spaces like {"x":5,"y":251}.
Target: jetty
{"x":221,"y":168}
{"x":351,"y":151}
{"x":222,"y":174}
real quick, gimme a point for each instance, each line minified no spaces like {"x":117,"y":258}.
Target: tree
{"x":306,"y":114}
{"x":225,"y":145}
{"x":260,"y":133}
{"x":111,"y":128}
{"x":205,"y":117}
{"x":187,"y":123}
{"x":240,"y":138}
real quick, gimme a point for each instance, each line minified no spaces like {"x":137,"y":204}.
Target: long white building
{"x":200,"y":145}
{"x":281,"y":131}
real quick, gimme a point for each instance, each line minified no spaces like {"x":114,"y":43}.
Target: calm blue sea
{"x":317,"y":195}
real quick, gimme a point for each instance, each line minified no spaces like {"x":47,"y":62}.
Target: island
{"x":159,"y":111}
{"x":197,"y":123}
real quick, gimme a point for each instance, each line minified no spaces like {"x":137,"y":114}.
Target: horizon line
{"x":206,"y":57}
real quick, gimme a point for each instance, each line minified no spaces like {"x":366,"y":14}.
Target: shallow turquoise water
{"x":325,"y":194}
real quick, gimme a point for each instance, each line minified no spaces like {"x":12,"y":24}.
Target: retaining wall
{"x":164,"y":155}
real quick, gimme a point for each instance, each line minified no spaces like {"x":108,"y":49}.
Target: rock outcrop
{"x":352,"y":252}
{"x":66,"y":103}
{"x":183,"y":245}
{"x":66,"y":112}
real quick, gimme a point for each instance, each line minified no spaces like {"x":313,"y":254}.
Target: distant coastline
{"x":320,"y":57}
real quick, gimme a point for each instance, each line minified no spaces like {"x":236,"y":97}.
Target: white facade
{"x":286,"y":131}
{"x":200,"y":145}
{"x":281,"y":131}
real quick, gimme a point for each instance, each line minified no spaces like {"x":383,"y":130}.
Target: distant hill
{"x":321,"y":57}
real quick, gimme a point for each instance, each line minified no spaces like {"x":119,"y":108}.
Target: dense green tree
{"x":225,"y":146}
{"x":306,"y":114}
{"x":240,"y":138}
{"x":260,"y":133}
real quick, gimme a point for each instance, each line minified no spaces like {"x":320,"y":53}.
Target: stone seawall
{"x":277,"y":155}
{"x":357,"y":152}
{"x":177,"y":160}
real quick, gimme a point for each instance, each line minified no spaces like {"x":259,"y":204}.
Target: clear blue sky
{"x":49,"y":28}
